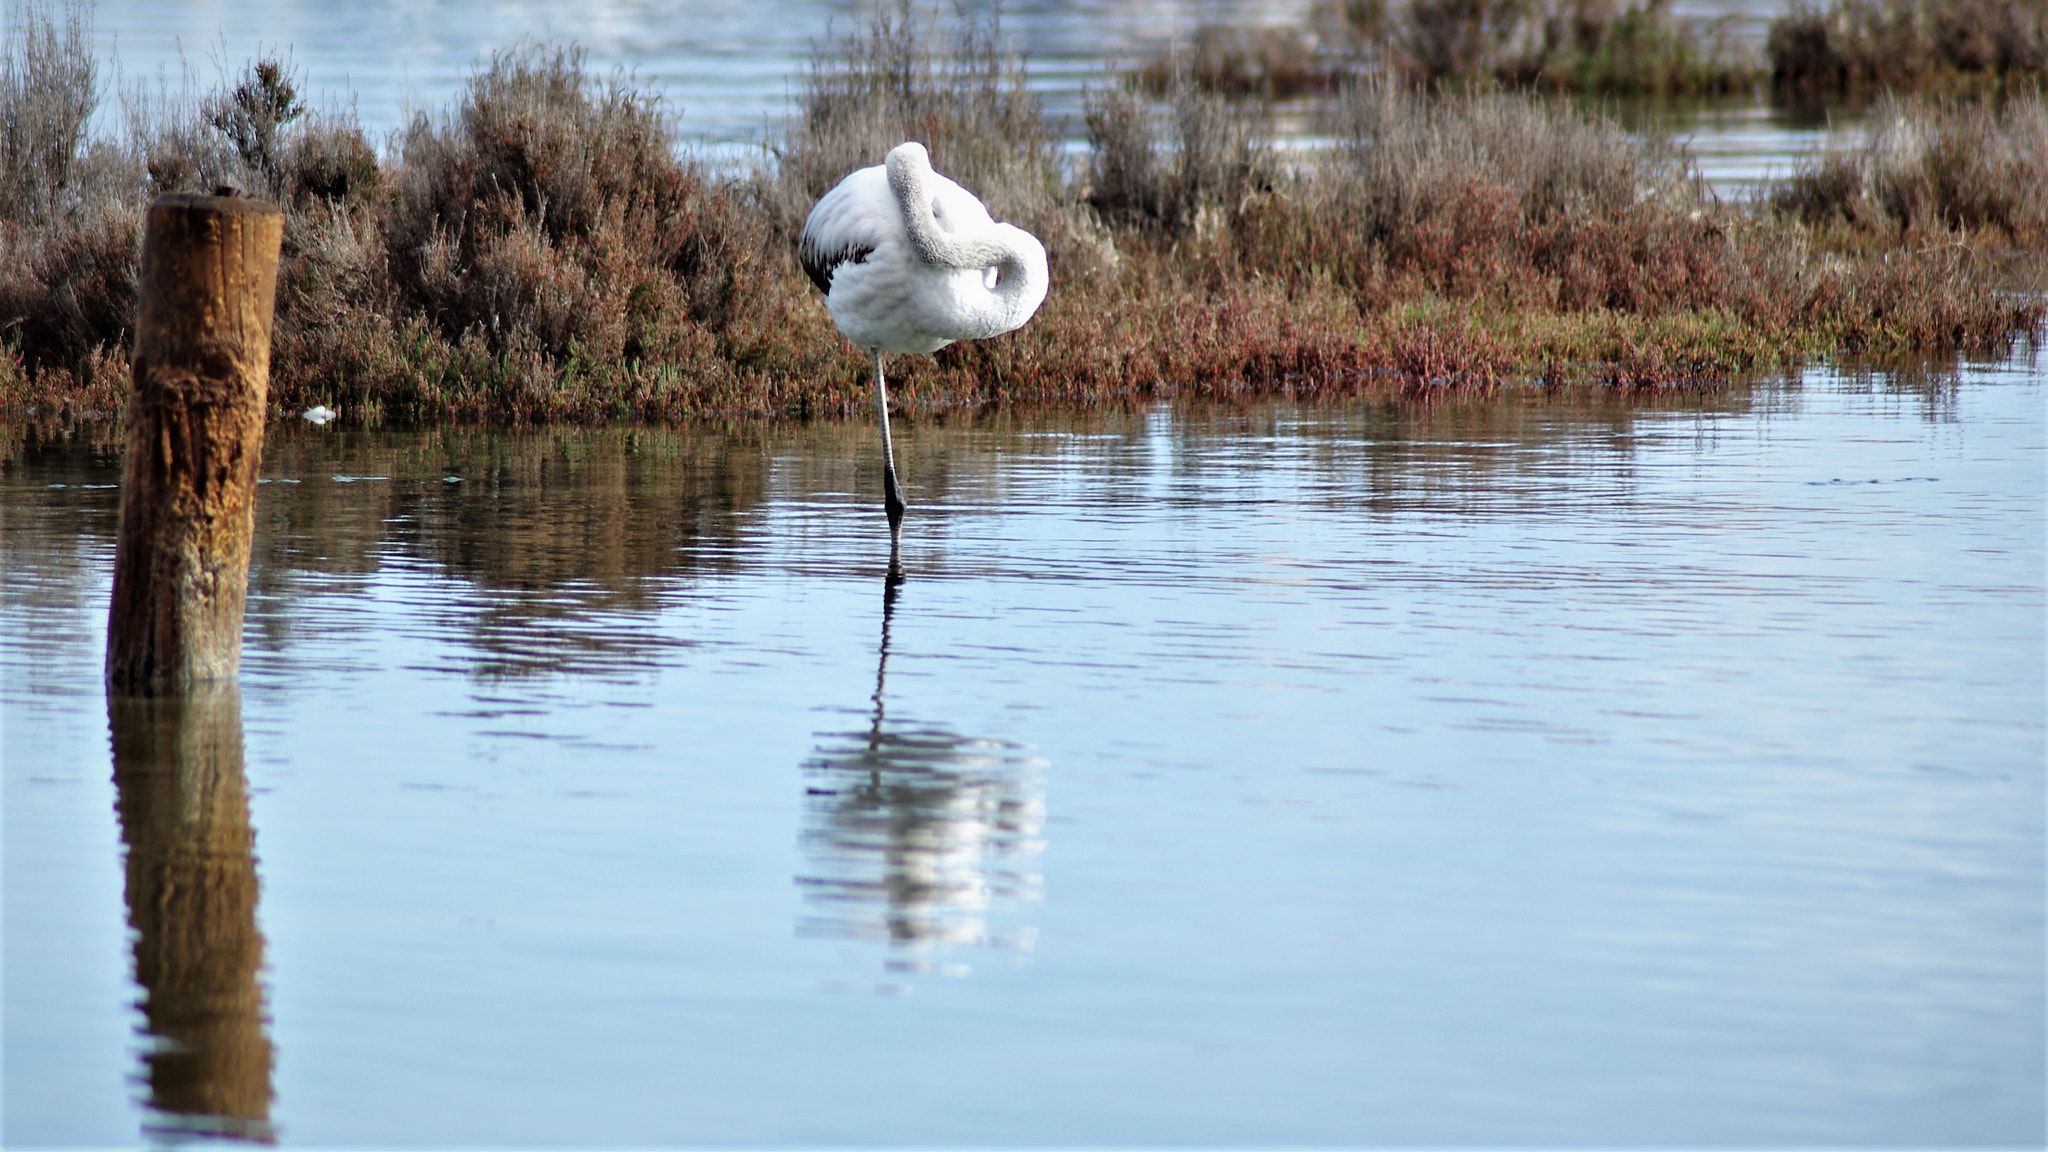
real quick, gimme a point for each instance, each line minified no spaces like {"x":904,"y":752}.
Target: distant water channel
{"x":728,"y":70}
{"x":1527,"y":771}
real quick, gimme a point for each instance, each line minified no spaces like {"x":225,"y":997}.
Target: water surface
{"x":1523,"y":771}
{"x":728,"y":70}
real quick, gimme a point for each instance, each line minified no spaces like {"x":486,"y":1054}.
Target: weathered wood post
{"x":195,"y":440}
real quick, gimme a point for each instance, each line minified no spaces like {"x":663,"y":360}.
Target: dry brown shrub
{"x":173,"y":136}
{"x":329,"y":161}
{"x":1216,"y":158}
{"x":1934,"y":169}
{"x":550,"y":214}
{"x":1499,"y":197}
{"x":1868,"y":46}
{"x":1127,"y":179}
{"x":1607,"y":46}
{"x":74,"y":289}
{"x":1239,"y":60}
{"x":49,"y":86}
{"x":69,"y":211}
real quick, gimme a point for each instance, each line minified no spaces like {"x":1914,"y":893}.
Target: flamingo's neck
{"x":1016,"y":256}
{"x":908,"y":166}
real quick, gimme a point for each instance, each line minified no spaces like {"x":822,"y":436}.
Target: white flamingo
{"x":910,"y":262}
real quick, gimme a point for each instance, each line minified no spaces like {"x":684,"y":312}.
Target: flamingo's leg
{"x":892,"y":496}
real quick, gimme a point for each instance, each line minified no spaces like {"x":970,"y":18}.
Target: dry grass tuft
{"x":1216,"y":158}
{"x":1927,"y":173}
{"x":49,"y":86}
{"x":68,"y":236}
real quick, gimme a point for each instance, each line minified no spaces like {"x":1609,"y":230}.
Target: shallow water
{"x":1521,"y":772}
{"x":727,"y":70}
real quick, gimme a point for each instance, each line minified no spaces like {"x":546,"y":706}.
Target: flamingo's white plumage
{"x":909,"y":261}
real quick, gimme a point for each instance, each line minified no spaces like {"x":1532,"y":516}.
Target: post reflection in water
{"x":916,"y":834}
{"x":191,"y":888}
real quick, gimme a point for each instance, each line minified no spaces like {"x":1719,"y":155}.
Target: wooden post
{"x":195,"y":440}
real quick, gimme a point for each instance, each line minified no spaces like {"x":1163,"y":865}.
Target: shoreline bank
{"x":542,"y":251}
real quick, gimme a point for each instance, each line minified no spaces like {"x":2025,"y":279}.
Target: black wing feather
{"x":820,"y":265}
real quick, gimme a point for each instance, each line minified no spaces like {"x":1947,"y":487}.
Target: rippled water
{"x":1523,"y":771}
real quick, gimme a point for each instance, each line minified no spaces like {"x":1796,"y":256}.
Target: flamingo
{"x":909,"y":261}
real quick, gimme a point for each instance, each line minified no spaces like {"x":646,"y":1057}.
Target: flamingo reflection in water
{"x":917,"y":835}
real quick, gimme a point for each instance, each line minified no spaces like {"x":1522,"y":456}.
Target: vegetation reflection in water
{"x":568,"y":531}
{"x":1497,"y":678}
{"x":916,"y":835}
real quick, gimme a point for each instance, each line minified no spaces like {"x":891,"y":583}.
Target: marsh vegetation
{"x":1855,"y":49}
{"x":544,"y":250}
{"x":1601,"y":46}
{"x":1869,"y":47}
